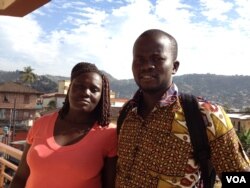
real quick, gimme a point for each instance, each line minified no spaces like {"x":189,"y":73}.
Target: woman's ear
{"x":176,"y":65}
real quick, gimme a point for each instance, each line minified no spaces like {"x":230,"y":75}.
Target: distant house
{"x":241,"y":122}
{"x":18,"y":103}
{"x":118,"y":102}
{"x":55,"y":100}
{"x":116,"y":105}
{"x":63,"y":86}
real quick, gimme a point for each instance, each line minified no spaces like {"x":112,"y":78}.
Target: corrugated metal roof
{"x":14,"y":87}
{"x":239,"y":116}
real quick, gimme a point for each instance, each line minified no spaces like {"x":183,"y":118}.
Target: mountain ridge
{"x":230,"y":91}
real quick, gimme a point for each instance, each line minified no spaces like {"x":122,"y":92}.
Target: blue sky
{"x":213,"y":35}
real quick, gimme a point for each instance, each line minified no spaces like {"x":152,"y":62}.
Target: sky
{"x":213,"y":35}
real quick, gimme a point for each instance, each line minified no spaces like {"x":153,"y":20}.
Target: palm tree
{"x":27,"y":76}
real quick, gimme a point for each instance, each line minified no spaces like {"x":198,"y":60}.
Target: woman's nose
{"x":85,"y":92}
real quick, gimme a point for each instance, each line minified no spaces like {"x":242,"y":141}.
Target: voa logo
{"x":236,"y":179}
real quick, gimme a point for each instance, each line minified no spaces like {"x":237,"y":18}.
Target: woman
{"x":75,"y":147}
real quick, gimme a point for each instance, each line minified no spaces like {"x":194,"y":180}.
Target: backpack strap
{"x":199,"y":139}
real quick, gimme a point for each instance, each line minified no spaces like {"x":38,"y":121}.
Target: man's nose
{"x":147,"y":65}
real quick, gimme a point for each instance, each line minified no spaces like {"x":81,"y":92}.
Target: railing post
{"x":5,"y":152}
{"x":2,"y":169}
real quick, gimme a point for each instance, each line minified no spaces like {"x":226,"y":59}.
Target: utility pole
{"x":13,"y":121}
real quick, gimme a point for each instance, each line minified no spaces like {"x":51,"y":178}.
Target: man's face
{"x":85,"y":92}
{"x":153,"y":63}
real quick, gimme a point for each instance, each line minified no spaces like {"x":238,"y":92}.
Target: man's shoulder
{"x":216,"y":118}
{"x":208,"y":106}
{"x":203,"y":104}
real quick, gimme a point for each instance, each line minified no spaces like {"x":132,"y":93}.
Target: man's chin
{"x":149,"y":89}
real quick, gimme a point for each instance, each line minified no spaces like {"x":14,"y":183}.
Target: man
{"x":154,"y":143}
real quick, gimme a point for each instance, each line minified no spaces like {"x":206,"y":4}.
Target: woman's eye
{"x":78,"y":87}
{"x":94,"y":90}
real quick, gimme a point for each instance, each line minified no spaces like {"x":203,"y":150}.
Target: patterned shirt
{"x":157,"y":151}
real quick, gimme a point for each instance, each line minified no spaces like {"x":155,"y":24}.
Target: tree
{"x":27,"y":75}
{"x":247,"y":109}
{"x":52,"y":105}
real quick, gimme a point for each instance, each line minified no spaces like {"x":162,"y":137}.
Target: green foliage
{"x":52,"y":105}
{"x":244,"y":137}
{"x":247,"y":109}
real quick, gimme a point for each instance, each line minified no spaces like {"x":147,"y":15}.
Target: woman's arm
{"x":22,"y":172}
{"x":108,"y":172}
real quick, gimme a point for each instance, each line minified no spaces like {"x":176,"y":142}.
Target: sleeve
{"x":226,"y":150}
{"x":112,"y":141}
{"x":30,"y":135}
{"x":33,"y":130}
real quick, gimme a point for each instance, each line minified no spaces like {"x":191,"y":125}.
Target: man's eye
{"x":138,"y":60}
{"x":158,"y":58}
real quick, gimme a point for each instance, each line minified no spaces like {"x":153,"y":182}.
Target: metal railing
{"x":6,"y":153}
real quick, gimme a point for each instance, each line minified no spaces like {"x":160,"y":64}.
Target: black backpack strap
{"x":199,"y":139}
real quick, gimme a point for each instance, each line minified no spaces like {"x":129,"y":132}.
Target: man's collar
{"x":169,"y":97}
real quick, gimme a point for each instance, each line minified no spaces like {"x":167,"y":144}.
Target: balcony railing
{"x":8,"y":156}
{"x":8,"y":152}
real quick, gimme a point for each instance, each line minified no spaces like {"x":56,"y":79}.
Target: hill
{"x":230,"y":91}
{"x":43,"y":83}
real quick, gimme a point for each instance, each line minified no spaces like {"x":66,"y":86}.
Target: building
{"x":63,"y":86}
{"x":19,"y":105}
{"x":240,"y":121}
{"x":19,"y":102}
{"x":52,"y":101}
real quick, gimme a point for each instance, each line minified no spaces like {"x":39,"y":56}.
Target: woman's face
{"x":85,"y":92}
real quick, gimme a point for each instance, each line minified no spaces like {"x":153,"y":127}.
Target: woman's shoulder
{"x":46,"y":117}
{"x":45,"y":120}
{"x":109,"y":129}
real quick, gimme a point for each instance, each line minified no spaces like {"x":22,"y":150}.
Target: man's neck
{"x":148,"y":102}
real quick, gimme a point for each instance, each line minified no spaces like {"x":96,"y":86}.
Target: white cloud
{"x":106,"y":37}
{"x":216,"y":9}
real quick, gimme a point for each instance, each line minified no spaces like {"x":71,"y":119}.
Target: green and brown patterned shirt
{"x":157,"y":152}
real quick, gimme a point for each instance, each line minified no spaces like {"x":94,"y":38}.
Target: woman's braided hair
{"x":102,"y":110}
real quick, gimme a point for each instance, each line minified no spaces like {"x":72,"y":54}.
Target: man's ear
{"x":176,"y":66}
